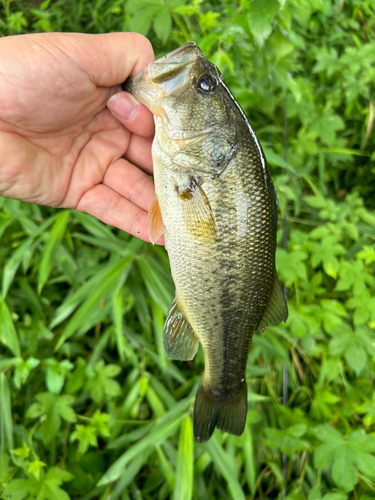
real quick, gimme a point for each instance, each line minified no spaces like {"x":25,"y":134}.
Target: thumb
{"x":109,"y":59}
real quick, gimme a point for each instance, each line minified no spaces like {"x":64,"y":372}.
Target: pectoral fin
{"x":197,"y":212}
{"x":179,"y":340}
{"x":155,"y":222}
{"x":276,"y":310}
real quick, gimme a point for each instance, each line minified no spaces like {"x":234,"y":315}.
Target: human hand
{"x":60,"y":145}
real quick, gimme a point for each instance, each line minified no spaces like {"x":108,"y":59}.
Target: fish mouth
{"x":166,"y":76}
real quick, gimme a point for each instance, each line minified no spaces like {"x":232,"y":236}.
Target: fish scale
{"x":216,"y":204}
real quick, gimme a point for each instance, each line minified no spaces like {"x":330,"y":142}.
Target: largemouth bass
{"x":216,"y":206}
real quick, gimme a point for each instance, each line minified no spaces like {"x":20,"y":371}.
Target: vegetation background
{"x":90,"y":406}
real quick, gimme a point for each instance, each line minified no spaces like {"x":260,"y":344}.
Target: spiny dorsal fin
{"x":198,"y":216}
{"x":179,"y":340}
{"x":276,"y":310}
{"x":155,"y":222}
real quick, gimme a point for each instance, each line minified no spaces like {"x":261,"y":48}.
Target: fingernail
{"x":123,"y":105}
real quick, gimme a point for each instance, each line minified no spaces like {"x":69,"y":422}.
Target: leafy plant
{"x":90,"y":406}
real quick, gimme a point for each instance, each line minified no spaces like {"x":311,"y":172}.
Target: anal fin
{"x":155,"y":222}
{"x":179,"y":339}
{"x":276,"y":310}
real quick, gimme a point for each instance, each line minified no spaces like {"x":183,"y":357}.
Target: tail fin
{"x":228,"y":415}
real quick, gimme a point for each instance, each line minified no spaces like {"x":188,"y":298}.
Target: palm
{"x":62,"y":145}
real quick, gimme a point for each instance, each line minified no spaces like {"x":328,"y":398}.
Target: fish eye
{"x":207,"y":84}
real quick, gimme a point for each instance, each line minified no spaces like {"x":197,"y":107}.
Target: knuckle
{"x":136,"y":224}
{"x":138,"y":188}
{"x":142,"y":41}
{"x":111,"y":207}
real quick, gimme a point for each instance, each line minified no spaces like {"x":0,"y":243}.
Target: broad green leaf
{"x":328,"y":433}
{"x":86,"y":436}
{"x":162,"y":25}
{"x":315,"y":201}
{"x":142,"y":19}
{"x":17,"y":489}
{"x":23,"y":369}
{"x":361,"y":315}
{"x":344,"y":472}
{"x":77,"y":378}
{"x":101,"y":384}
{"x":260,"y":16}
{"x":356,"y":357}
{"x":335,"y":496}
{"x":56,"y":373}
{"x":54,"y":408}
{"x":35,"y":468}
{"x":50,"y":487}
{"x":345,"y":456}
{"x":99,"y":422}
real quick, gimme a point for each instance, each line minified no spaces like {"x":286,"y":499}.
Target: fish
{"x":216,"y":205}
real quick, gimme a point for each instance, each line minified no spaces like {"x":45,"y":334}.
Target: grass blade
{"x":226,"y":468}
{"x":6,"y":422}
{"x":162,"y":431}
{"x":133,"y":469}
{"x":8,"y":334}
{"x":158,"y":319}
{"x":159,"y":288}
{"x":275,"y":159}
{"x":107,"y":244}
{"x":74,"y":300}
{"x":94,"y":226}
{"x":12,"y":265}
{"x":117,"y":320}
{"x":102,"y":290}
{"x":344,"y":151}
{"x":55,"y":238}
{"x":183,"y":488}
{"x":249,"y":459}
{"x":166,"y":467}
